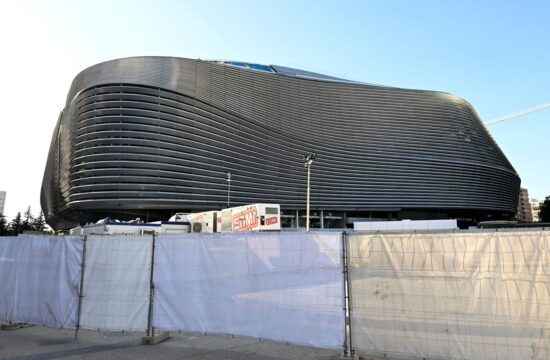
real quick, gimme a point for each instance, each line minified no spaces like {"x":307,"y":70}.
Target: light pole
{"x":308,"y":160}
{"x":228,"y":187}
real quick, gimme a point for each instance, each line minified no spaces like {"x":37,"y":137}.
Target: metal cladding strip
{"x":161,"y":133}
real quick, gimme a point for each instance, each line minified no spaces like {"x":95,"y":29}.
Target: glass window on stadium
{"x":333,"y":219}
{"x":288,"y":218}
{"x":314,"y":219}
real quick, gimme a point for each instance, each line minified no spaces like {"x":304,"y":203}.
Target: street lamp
{"x":308,"y":160}
{"x":228,"y":187}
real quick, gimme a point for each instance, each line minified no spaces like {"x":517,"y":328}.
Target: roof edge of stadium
{"x":284,"y":70}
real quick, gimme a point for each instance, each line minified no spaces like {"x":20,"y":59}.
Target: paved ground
{"x":42,"y":343}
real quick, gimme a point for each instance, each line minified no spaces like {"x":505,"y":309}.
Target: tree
{"x":28,"y":221}
{"x":544,"y":211}
{"x":16,"y":225}
{"x":3,"y":226}
{"x":39,"y":224}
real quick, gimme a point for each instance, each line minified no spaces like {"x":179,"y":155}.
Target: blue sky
{"x":495,"y":54}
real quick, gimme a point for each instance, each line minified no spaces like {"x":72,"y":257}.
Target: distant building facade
{"x":524,"y":214}
{"x":535,"y":208}
{"x":2,"y":202}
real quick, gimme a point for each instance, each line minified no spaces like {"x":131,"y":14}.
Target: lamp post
{"x":308,"y":160}
{"x":228,"y":187}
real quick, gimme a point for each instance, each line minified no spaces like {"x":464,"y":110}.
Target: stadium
{"x":150,"y":136}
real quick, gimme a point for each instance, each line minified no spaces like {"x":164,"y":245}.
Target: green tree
{"x":28,"y":219}
{"x":16,"y":225}
{"x":544,"y":211}
{"x":3,"y":226}
{"x":39,"y":224}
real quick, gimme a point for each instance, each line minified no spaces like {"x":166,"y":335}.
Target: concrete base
{"x":349,"y":357}
{"x":13,"y":326}
{"x":152,"y":340}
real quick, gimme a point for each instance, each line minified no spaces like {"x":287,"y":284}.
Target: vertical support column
{"x":297,"y":219}
{"x":349,"y":352}
{"x":81,"y":287}
{"x":151,"y":338}
{"x":321,"y":219}
{"x":150,"y":328}
{"x":345,"y":220}
{"x":307,"y":201}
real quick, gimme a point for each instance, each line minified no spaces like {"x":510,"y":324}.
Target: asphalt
{"x":39,"y":343}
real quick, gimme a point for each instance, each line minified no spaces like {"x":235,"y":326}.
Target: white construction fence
{"x":116,"y":284}
{"x":459,"y":295}
{"x":280,"y":286}
{"x":39,"y":279}
{"x":444,"y":295}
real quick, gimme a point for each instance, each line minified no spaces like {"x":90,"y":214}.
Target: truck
{"x":253,"y":217}
{"x":205,"y":222}
{"x":110,"y":226}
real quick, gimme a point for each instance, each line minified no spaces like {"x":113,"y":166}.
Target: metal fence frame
{"x":348,"y":347}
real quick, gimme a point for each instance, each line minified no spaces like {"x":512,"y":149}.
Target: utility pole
{"x":308,"y":160}
{"x":228,"y":188}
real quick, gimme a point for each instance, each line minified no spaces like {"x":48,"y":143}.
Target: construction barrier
{"x":39,"y":279}
{"x":433,"y":295}
{"x":457,"y":295}
{"x":116,"y":283}
{"x":280,"y":286}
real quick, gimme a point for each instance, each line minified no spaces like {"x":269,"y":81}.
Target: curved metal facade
{"x":155,"y":134}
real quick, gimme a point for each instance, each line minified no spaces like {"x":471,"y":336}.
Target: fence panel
{"x":280,"y":286}
{"x":39,"y":278}
{"x":116,"y":282}
{"x":475,"y":295}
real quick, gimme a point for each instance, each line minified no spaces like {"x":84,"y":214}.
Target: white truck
{"x":205,"y":222}
{"x":253,"y":217}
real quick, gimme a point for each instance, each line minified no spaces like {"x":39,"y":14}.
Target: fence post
{"x":150,"y":328}
{"x":81,"y":287}
{"x":345,"y":294}
{"x":348,"y":343}
{"x":350,"y":299}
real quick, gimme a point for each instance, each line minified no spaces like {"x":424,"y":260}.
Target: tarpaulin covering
{"x":280,"y":286}
{"x":39,"y":278}
{"x":117,"y":277}
{"x":462,"y":295}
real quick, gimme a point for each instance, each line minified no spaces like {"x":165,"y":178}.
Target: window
{"x":258,"y":67}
